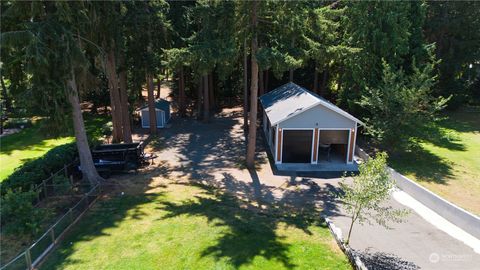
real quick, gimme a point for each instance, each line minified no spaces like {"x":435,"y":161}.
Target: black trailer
{"x":118,"y":157}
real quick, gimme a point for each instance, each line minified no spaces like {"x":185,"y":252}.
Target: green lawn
{"x":184,"y":226}
{"x":31,"y":143}
{"x":448,"y":160}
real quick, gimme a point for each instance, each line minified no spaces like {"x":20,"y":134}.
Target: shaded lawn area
{"x":190,"y":226}
{"x":32,"y":142}
{"x":448,"y":160}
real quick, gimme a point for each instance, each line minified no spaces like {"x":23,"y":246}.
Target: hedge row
{"x":35,"y":171}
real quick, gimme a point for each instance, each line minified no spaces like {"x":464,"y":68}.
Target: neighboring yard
{"x":160,"y":224}
{"x":31,"y":143}
{"x":448,"y":162}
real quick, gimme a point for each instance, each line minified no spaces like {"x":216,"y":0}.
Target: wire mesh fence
{"x":29,"y":258}
{"x":61,"y":183}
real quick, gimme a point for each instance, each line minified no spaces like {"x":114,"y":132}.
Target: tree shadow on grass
{"x":441,"y":135}
{"x":252,"y":227}
{"x":423,"y":164}
{"x":112,"y":208}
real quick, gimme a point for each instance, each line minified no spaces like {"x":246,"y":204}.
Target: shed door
{"x":297,"y":146}
{"x":160,"y":118}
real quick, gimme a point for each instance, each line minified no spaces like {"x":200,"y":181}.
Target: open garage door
{"x":333,"y":145}
{"x":297,"y":146}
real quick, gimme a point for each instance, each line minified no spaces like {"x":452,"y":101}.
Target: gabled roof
{"x":290,"y":99}
{"x":160,"y":104}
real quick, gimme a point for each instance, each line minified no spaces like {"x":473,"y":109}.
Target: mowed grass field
{"x":448,"y":160}
{"x":29,"y":143}
{"x":185,"y":226}
{"x":32,"y":142}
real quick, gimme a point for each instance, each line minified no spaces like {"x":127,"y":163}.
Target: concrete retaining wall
{"x":465,"y":220}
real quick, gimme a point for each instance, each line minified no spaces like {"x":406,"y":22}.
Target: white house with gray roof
{"x":302,"y":127}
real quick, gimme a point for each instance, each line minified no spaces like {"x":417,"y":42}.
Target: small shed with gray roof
{"x":302,"y":127}
{"x":162,"y":109}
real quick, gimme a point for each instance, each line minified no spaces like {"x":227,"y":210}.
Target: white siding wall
{"x":318,"y":117}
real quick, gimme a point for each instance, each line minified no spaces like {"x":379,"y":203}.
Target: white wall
{"x":318,"y":117}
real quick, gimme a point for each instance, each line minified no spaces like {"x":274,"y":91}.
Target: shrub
{"x":61,"y":184}
{"x":34,"y":172}
{"x":19,"y":215}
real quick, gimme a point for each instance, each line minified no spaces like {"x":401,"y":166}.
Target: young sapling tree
{"x":365,"y":197}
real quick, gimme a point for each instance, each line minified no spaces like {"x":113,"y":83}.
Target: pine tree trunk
{"x":266,"y":81}
{"x":315,"y":79}
{"x":115,"y":106}
{"x":151,"y":105}
{"x":86,"y":161}
{"x":159,"y":87}
{"x":245,"y":87}
{"x":252,"y":129}
{"x":199,"y":97}
{"x":127,"y":130}
{"x":261,"y":84}
{"x":181,"y":94}
{"x":206,"y":99}
{"x":211,"y":92}
{"x":323,"y":86}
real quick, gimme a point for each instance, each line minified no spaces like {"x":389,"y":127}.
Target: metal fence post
{"x":52,"y":234}
{"x":70,"y":213}
{"x":28,"y":258}
{"x":38,"y":194}
{"x":45,"y":192}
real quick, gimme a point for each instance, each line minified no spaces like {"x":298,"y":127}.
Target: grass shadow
{"x":252,"y":228}
{"x":433,"y":168}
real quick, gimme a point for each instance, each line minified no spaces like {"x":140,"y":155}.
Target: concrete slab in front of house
{"x":333,"y":166}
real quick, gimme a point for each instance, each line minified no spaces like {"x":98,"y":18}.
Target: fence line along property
{"x":34,"y":254}
{"x":48,"y":188}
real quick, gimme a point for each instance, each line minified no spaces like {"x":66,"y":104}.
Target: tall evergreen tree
{"x":51,"y":41}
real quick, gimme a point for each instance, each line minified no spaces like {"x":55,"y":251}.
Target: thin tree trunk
{"x":261,"y":84}
{"x":115,"y":106}
{"x":159,"y":87}
{"x":181,"y":94}
{"x":199,"y":97}
{"x":252,"y":129}
{"x":245,"y":87}
{"x":206,"y":99}
{"x":86,"y":161}
{"x":127,"y":130}
{"x":211,"y":92}
{"x":350,"y":229}
{"x":151,"y":105}
{"x":266,"y":81}
{"x":315,"y":79}
{"x":323,"y":86}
